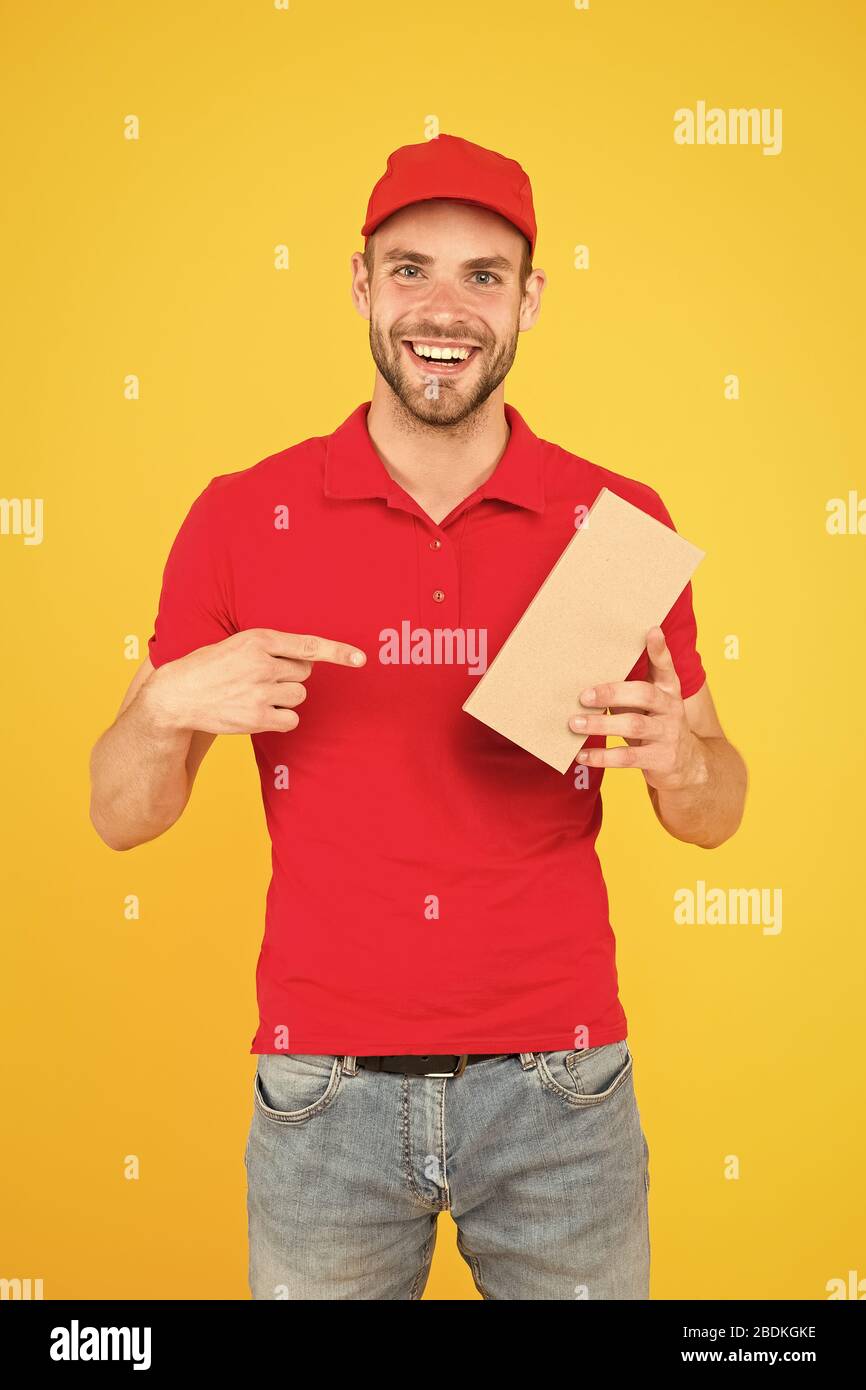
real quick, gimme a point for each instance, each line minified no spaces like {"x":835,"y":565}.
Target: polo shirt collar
{"x":354,"y":469}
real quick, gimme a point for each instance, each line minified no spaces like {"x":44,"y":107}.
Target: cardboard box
{"x":619,"y":575}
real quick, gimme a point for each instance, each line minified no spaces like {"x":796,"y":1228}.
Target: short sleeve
{"x":194,"y":604}
{"x":680,"y":630}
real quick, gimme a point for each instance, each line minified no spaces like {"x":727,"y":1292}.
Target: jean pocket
{"x":290,"y":1088}
{"x":586,"y":1076}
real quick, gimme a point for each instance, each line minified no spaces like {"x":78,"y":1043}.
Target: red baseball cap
{"x":449,"y":167}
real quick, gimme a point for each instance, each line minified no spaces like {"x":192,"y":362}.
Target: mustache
{"x":457,"y":335}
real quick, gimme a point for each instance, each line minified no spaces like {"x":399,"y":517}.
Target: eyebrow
{"x":419,"y":258}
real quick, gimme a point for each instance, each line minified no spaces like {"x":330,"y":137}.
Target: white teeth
{"x":441,"y":354}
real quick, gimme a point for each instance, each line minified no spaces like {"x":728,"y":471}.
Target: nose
{"x":444,"y":302}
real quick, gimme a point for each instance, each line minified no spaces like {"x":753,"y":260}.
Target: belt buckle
{"x":462,"y":1059}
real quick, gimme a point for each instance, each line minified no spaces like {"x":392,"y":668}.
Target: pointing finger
{"x":307,"y":647}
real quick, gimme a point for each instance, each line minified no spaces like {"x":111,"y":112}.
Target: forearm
{"x":138,"y":772}
{"x":709,"y":807}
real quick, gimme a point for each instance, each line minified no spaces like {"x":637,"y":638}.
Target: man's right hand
{"x":250,"y":683}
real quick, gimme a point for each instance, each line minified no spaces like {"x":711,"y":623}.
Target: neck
{"x":438,"y":465}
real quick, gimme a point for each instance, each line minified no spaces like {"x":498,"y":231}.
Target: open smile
{"x":440,"y":359}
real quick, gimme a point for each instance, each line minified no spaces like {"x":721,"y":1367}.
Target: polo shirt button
{"x":438,"y":594}
{"x":436,"y":545}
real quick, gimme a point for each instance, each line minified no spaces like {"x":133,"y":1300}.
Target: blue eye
{"x":491,"y":278}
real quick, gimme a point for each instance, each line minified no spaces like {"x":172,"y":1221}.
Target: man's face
{"x":446,"y":275}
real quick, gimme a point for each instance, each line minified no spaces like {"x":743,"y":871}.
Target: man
{"x":439,"y":1024}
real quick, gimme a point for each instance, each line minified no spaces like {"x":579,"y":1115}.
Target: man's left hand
{"x":651,"y":716}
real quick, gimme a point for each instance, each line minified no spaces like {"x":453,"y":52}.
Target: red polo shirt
{"x":435,"y":888}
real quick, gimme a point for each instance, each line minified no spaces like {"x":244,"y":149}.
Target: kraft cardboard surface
{"x":620,"y":574}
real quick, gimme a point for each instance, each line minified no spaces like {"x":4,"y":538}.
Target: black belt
{"x":450,"y":1064}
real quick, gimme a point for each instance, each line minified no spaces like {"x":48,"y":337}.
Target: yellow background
{"x":155,"y":257}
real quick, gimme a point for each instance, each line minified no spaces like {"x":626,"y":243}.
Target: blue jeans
{"x":540,"y":1159}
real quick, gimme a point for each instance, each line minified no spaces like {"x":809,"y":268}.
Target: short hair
{"x":525,"y":260}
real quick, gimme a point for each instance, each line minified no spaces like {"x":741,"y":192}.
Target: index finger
{"x":309,"y":648}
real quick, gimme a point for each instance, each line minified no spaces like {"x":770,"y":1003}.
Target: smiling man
{"x":439,"y":1021}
